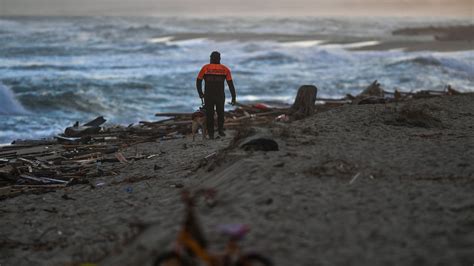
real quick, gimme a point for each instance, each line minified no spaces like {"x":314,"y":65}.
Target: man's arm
{"x":199,"y":79}
{"x":199,"y":87}
{"x":230,"y":83}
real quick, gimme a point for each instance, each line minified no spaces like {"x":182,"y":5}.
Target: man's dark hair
{"x":215,"y":57}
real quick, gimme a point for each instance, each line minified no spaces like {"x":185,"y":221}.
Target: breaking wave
{"x":429,"y":61}
{"x":65,"y":101}
{"x":9,"y":105}
{"x":271,"y":58}
{"x":424,"y":61}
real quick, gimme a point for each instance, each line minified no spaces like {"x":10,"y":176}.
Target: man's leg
{"x":210,"y":116}
{"x":220,"y":116}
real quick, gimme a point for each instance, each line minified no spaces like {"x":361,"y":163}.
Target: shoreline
{"x":357,"y":184}
{"x":54,"y":98}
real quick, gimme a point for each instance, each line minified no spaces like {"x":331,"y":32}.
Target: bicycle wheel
{"x":170,"y":258}
{"x":253,"y":259}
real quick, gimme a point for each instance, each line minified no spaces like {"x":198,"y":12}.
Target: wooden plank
{"x":173,"y":114}
{"x":155,"y":123}
{"x":97,"y":122}
{"x":39,"y":186}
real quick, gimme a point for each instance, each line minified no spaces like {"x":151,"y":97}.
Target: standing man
{"x":214,"y":74}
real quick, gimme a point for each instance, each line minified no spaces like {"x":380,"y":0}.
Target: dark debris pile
{"x":75,"y":157}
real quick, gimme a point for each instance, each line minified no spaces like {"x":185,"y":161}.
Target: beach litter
{"x":354,"y":178}
{"x":78,"y":155}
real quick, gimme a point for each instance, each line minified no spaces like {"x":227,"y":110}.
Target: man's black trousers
{"x":217,"y":102}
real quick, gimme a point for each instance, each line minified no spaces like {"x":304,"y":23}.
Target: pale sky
{"x":239,"y":7}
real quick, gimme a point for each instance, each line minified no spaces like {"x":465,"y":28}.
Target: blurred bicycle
{"x":191,"y":246}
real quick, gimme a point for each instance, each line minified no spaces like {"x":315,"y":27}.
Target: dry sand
{"x":355,"y":185}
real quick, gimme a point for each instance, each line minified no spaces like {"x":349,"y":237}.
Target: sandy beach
{"x":353,"y":185}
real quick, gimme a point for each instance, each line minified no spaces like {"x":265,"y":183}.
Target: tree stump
{"x":304,"y":102}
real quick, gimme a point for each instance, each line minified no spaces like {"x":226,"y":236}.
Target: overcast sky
{"x":239,"y":7}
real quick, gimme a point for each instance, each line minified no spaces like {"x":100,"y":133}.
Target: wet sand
{"x":353,"y":185}
{"x":441,"y":39}
{"x":455,"y":33}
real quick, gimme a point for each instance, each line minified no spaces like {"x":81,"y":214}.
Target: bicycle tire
{"x":253,"y":259}
{"x":167,"y":258}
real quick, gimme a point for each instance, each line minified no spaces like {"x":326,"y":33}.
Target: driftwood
{"x":76,"y":156}
{"x":373,"y":90}
{"x":45,"y":180}
{"x":373,"y":100}
{"x":156,"y":123}
{"x":45,"y":165}
{"x":303,"y":105}
{"x":31,"y":143}
{"x":80,"y":131}
{"x":6,"y":171}
{"x":172,"y":114}
{"x":89,"y":128}
{"x":96,"y":122}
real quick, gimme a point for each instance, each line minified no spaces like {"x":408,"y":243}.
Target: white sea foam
{"x":189,"y":42}
{"x":351,"y":45}
{"x":255,"y":98}
{"x":302,"y":44}
{"x":165,"y":39}
{"x":360,"y":44}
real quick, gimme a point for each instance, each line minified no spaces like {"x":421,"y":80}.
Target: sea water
{"x":54,"y":70}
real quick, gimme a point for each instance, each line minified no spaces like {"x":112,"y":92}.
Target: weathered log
{"x":173,"y":114}
{"x":30,"y":143}
{"x":343,"y":100}
{"x":97,"y":122}
{"x":89,"y":128}
{"x":7,"y":171}
{"x":373,"y":100}
{"x":156,"y":123}
{"x":80,"y":131}
{"x":30,"y":151}
{"x":304,"y":102}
